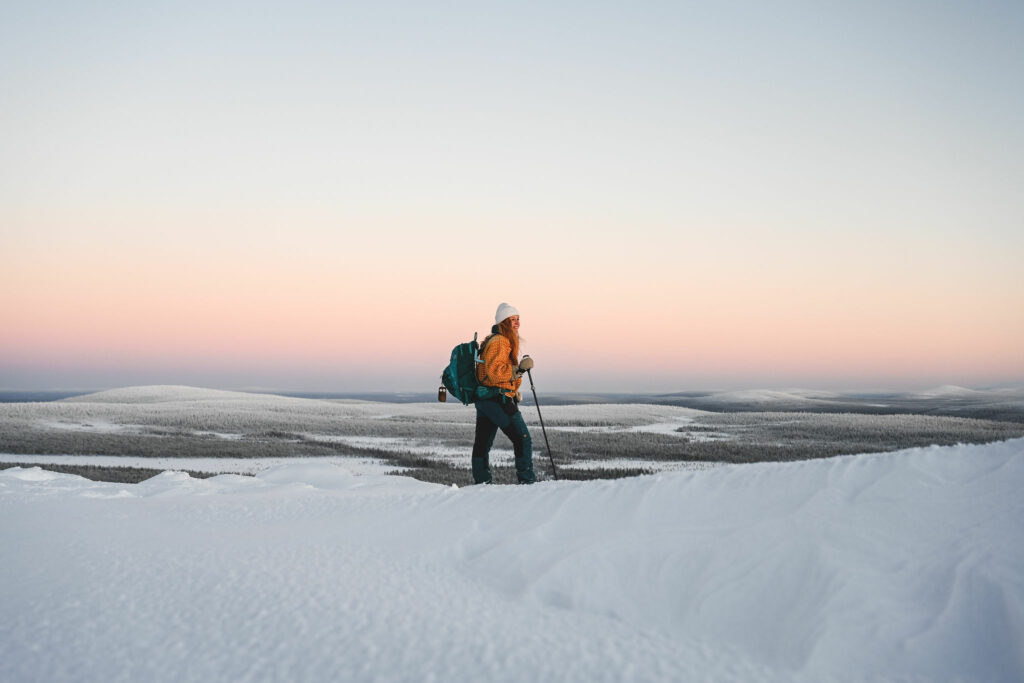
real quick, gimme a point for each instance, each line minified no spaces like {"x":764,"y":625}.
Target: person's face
{"x":514,"y":319}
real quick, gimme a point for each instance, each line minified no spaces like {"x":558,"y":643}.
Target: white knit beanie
{"x":505,"y":311}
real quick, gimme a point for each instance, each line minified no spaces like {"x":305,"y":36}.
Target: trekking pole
{"x":537,"y":403}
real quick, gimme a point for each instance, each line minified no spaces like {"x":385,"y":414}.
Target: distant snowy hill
{"x":1002,"y":403}
{"x":947,"y":390}
{"x":891,"y":567}
{"x":771,"y":395}
{"x":165,"y":394}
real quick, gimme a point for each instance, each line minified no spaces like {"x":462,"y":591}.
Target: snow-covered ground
{"x":898,"y":566}
{"x":353,"y":464}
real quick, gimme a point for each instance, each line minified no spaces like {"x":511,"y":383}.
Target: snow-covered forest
{"x":207,"y":431}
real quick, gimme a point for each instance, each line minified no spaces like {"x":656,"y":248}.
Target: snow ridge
{"x":896,"y":566}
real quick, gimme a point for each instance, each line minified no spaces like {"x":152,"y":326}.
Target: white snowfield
{"x":905,"y":566}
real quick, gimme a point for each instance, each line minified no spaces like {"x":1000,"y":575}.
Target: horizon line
{"x":917,"y":388}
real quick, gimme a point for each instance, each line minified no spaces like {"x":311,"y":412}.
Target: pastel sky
{"x":327,"y":196}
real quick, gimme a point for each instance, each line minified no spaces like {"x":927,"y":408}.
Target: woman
{"x":501,"y":369}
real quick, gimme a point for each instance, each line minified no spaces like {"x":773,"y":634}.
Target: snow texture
{"x":904,"y":566}
{"x":206,"y":465}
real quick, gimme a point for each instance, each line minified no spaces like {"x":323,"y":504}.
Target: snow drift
{"x":898,"y":566}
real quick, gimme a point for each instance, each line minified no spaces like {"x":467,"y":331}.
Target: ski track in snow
{"x":897,"y":566}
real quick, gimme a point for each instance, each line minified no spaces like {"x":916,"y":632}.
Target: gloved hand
{"x":526,"y":364}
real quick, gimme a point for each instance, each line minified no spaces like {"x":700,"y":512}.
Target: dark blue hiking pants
{"x":492,"y":415}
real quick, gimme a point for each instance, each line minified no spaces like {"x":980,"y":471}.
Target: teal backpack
{"x":459,"y":378}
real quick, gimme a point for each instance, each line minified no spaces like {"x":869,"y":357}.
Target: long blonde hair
{"x":506,"y":330}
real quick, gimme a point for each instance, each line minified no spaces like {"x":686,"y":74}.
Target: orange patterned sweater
{"x":498,"y":369}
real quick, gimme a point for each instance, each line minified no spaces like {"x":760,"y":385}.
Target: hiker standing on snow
{"x":501,"y":368}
